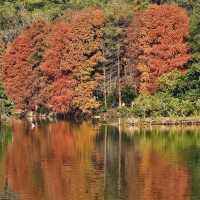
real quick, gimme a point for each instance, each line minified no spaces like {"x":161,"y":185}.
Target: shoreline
{"x":165,"y":121}
{"x":159,"y":121}
{"x":110,"y":118}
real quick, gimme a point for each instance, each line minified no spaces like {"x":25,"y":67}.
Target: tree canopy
{"x":70,"y":55}
{"x":157,"y":43}
{"x":55,"y":65}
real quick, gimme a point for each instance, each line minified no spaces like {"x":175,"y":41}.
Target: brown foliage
{"x":157,"y":43}
{"x":54,"y":65}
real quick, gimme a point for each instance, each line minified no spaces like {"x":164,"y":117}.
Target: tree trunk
{"x":119,"y":77}
{"x":105,"y":93}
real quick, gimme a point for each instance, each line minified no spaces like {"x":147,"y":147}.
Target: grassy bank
{"x":111,"y":117}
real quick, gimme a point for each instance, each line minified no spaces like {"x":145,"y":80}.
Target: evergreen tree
{"x":189,"y":86}
{"x":195,"y":31}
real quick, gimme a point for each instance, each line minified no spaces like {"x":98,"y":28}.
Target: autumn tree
{"x":157,"y":43}
{"x":21,"y":74}
{"x":56,"y":65}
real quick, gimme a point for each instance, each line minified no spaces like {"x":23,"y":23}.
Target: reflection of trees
{"x":161,"y":179}
{"x":55,"y":162}
{"x":120,"y":163}
{"x":193,"y":162}
{"x":62,"y":161}
{"x":5,"y":140}
{"x":182,"y":145}
{"x":147,"y":166}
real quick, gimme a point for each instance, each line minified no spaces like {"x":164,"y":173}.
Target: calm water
{"x":66,"y":161}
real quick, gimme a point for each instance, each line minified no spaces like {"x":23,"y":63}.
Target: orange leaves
{"x":55,"y":45}
{"x":157,"y":40}
{"x":60,"y":56}
{"x":61,"y":94}
{"x":74,"y":50}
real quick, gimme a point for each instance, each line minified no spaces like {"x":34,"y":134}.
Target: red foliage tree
{"x":157,"y":43}
{"x":50,"y":64}
{"x":21,"y":74}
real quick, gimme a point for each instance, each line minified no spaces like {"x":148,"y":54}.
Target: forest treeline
{"x":73,"y":56}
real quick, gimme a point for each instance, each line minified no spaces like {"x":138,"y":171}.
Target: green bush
{"x":5,"y":103}
{"x":112,"y":99}
{"x":169,"y":81}
{"x":188,"y":88}
{"x":128,"y":95}
{"x":162,"y":105}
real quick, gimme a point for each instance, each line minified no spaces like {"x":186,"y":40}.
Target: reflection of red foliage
{"x":157,"y":43}
{"x":54,"y":162}
{"x":161,"y":179}
{"x":47,"y":61}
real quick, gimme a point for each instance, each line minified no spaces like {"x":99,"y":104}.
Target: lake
{"x":86,"y":161}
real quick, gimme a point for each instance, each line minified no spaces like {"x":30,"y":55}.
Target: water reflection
{"x":66,"y":161}
{"x":55,"y":162}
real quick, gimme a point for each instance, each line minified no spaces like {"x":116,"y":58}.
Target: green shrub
{"x":162,"y":105}
{"x":169,"y":81}
{"x":188,"y":87}
{"x":5,"y":103}
{"x":128,"y":95}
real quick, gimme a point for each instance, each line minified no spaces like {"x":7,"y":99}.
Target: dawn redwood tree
{"x":56,"y":65}
{"x":21,"y":72}
{"x":157,"y":43}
